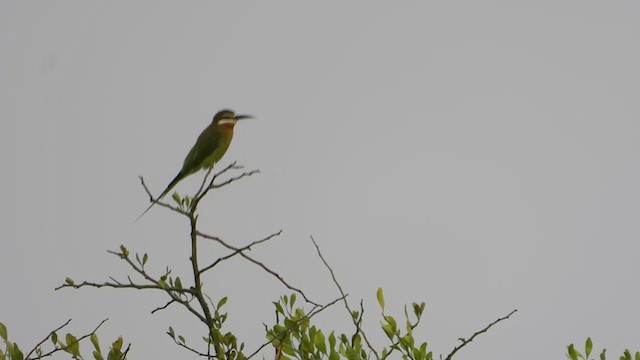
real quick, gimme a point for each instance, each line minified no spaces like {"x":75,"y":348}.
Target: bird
{"x":210,"y":147}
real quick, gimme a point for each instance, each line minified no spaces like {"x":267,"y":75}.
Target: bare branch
{"x":264,"y":267}
{"x":236,"y":252}
{"x":346,"y":303}
{"x":173,"y":292}
{"x":466,"y":341}
{"x":233,"y":179}
{"x":158,"y":202}
{"x":163,"y":306}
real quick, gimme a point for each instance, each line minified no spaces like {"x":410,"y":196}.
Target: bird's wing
{"x":204,"y":147}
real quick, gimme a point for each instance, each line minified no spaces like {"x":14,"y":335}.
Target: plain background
{"x":480,"y":156}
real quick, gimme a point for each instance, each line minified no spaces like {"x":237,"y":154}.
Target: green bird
{"x":210,"y":147}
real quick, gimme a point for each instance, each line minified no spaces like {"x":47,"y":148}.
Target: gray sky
{"x":478,"y":156}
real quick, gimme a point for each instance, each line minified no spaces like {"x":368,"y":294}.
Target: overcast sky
{"x":480,"y":156}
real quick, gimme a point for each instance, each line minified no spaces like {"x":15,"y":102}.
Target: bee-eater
{"x":210,"y":147}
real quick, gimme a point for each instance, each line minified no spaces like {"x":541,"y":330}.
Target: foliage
{"x":574,"y":354}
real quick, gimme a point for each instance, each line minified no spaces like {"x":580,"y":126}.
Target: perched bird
{"x":211,"y":145}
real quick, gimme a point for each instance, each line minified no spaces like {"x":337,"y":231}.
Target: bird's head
{"x":227,"y":117}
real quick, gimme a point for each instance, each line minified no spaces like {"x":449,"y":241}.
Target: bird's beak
{"x":240,"y":117}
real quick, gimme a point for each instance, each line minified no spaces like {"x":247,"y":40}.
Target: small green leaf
{"x":320,"y":343}
{"x":637,"y":355}
{"x":97,"y":355}
{"x":222,"y":302}
{"x":176,"y":197}
{"x":69,"y":281}
{"x":588,"y":346}
{"x":15,"y":353}
{"x":3,"y":332}
{"x":380,"y":296}
{"x":145,"y":258}
{"x":117,"y":345}
{"x":181,"y":338}
{"x":332,"y":341}
{"x":125,"y":251}
{"x":572,"y":353}
{"x":172,"y":333}
{"x":391,"y":321}
{"x":603,"y":354}
{"x":73,"y":347}
{"x":54,"y":338}
{"x":178,"y":283}
{"x":279,"y":307}
{"x":334,"y":355}
{"x":95,"y":342}
{"x":388,"y":330}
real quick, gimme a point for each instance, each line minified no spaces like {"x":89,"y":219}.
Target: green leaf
{"x":73,"y":346}
{"x":279,"y":307}
{"x":3,"y":332}
{"x":572,"y":353}
{"x":319,"y":341}
{"x":334,"y":355}
{"x":380,"y":296}
{"x":588,"y":346}
{"x":293,"y":299}
{"x":97,"y":355}
{"x":124,"y":251}
{"x":54,"y":338}
{"x":176,"y":197}
{"x":181,"y":338}
{"x":95,"y":342}
{"x":145,"y":258}
{"x":389,"y":331}
{"x":178,"y":283}
{"x":332,"y":341}
{"x":222,"y":302}
{"x":172,"y":333}
{"x":117,"y":345}
{"x":69,"y":281}
{"x":391,"y":321}
{"x":637,"y":355}
{"x":423,"y":349}
{"x":603,"y":355}
{"x":15,"y":353}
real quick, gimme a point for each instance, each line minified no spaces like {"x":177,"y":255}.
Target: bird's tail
{"x":173,"y":183}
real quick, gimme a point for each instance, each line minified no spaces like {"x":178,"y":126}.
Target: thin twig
{"x":236,"y":252}
{"x":163,"y":306}
{"x":235,"y":178}
{"x":68,"y":344}
{"x":263,"y":266}
{"x":46,"y":338}
{"x":204,"y":182}
{"x":465,"y":342}
{"x":346,"y":303}
{"x":158,"y":202}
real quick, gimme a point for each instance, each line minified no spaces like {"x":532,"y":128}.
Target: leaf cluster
{"x":574,"y":354}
